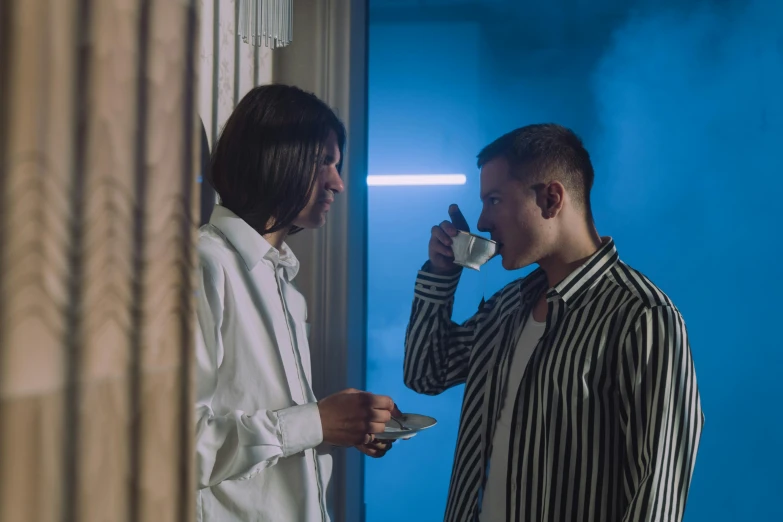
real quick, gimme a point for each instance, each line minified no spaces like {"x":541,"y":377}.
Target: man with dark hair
{"x":259,"y":431}
{"x":581,"y":402}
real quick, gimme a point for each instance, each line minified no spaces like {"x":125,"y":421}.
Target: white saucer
{"x":412,"y":424}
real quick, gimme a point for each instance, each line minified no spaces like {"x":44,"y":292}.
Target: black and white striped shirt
{"x":607,"y":418}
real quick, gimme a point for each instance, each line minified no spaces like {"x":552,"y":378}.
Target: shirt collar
{"x":251,"y":246}
{"x":584,"y":277}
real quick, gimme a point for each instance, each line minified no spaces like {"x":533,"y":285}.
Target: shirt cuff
{"x":435,"y":287}
{"x":300,"y":427}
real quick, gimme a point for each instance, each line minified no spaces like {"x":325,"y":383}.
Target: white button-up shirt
{"x":258,"y":428}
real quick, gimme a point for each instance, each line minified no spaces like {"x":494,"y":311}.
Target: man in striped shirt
{"x":581,"y":402}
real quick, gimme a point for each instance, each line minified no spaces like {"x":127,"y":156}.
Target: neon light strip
{"x":400,"y":180}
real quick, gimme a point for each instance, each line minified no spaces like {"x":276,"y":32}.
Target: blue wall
{"x":682,"y":110}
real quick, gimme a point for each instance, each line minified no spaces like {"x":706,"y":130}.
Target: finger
{"x":443,"y":250}
{"x":396,"y":412}
{"x":382,"y":402}
{"x":383,"y":445}
{"x":379,"y":444}
{"x":364,"y":449}
{"x":371,"y":452}
{"x":443,"y":236}
{"x":376,"y":427}
{"x":449,"y":228}
{"x":361,"y":448}
{"x":368,"y":438}
{"x":458,"y":219}
{"x":377,"y":415}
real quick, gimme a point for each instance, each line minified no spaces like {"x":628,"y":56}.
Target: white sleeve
{"x":239,"y":444}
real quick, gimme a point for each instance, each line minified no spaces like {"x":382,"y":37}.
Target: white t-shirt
{"x":493,"y":506}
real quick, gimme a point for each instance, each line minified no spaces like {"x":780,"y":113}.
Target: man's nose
{"x":334,"y":182}
{"x":483,"y":224}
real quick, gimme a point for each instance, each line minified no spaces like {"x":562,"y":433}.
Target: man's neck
{"x":276,"y":239}
{"x":571,"y":253}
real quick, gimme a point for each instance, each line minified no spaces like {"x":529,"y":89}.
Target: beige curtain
{"x":97,"y":198}
{"x":329,"y":57}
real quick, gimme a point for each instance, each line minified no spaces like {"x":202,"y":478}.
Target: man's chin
{"x":310,"y":224}
{"x":513,"y":263}
{"x":506,"y":262}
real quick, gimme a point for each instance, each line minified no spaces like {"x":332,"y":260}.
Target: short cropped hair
{"x":546,"y":152}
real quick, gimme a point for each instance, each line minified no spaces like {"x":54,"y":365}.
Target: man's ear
{"x":550,"y":198}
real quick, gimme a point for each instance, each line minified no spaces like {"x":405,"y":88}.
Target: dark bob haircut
{"x":265,"y":163}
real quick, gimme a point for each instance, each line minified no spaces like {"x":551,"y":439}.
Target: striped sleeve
{"x":437,"y":350}
{"x":660,"y":415}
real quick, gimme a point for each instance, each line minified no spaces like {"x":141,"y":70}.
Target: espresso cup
{"x":472,"y":251}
